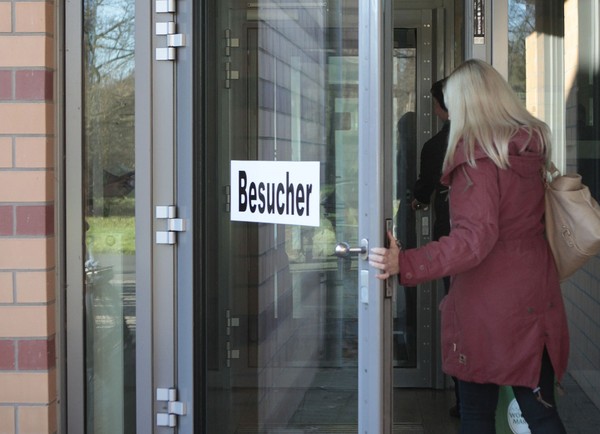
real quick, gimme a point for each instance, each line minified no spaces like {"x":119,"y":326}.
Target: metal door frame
{"x":156,"y":138}
{"x":143,"y":257}
{"x":376,"y":376}
{"x":189,"y":128}
{"x":73,"y":315}
{"x":375,"y":414}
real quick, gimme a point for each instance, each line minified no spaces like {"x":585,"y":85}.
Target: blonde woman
{"x":503,"y":320}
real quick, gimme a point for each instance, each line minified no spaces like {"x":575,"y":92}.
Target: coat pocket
{"x":450,"y":331}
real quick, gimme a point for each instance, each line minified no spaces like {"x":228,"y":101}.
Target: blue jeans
{"x":478,"y":404}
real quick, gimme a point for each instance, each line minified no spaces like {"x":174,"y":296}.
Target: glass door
{"x":282,"y":327}
{"x":414,"y":308}
{"x":296,"y":336}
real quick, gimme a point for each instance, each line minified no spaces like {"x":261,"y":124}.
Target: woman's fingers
{"x":376,"y":263}
{"x":377,"y":259}
{"x":379,"y":251}
{"x":383,"y":259}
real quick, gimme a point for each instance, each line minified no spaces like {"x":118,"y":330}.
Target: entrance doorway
{"x":282,"y":311}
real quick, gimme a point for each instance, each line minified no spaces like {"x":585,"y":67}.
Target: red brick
{"x":5,"y":85}
{"x":36,"y":355}
{"x":33,"y":85}
{"x":6,"y":220}
{"x":7,"y":355}
{"x":35,"y":220}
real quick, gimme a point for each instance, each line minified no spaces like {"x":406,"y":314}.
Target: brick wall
{"x":27,"y":246}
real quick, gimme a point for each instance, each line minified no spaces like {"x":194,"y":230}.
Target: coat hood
{"x":525,"y":156}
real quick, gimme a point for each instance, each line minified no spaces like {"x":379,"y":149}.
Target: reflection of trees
{"x":109,"y":124}
{"x":521,"y":23}
{"x":109,"y":92}
{"x":108,"y":38}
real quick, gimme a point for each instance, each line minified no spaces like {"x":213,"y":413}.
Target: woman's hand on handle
{"x":386,"y":260}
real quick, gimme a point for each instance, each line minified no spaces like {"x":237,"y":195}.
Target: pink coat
{"x":505,"y":302}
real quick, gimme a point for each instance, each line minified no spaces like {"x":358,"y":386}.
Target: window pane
{"x":554,"y":64}
{"x":109,"y":222}
{"x":521,"y":24}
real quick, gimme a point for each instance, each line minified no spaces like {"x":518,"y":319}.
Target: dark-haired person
{"x":428,"y":187}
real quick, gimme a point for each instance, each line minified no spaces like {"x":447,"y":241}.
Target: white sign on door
{"x":284,"y":192}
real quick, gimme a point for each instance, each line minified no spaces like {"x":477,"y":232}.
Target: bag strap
{"x":553,"y":170}
{"x":550,"y":172}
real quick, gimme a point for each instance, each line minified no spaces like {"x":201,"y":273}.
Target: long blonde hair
{"x":484,"y":110}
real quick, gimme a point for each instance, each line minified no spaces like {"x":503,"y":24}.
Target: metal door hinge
{"x":230,"y":42}
{"x":166,"y":6}
{"x":173,"y":408}
{"x":227,"y":193}
{"x":174,"y":224}
{"x":231,"y":322}
{"x":174,"y":40}
{"x":231,"y":354}
{"x":168,"y":29}
{"x":230,"y":74}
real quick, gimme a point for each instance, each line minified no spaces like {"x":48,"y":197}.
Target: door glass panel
{"x":109,"y":225}
{"x":404,"y":105}
{"x":413,"y":308}
{"x":281,"y":309}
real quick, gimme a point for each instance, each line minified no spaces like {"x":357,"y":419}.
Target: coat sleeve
{"x":474,"y":210}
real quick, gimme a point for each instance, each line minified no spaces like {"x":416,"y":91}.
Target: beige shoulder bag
{"x":572,"y":221}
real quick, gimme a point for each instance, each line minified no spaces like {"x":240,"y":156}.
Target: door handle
{"x":343,"y":250}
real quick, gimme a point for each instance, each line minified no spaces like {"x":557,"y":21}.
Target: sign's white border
{"x":282,"y":192}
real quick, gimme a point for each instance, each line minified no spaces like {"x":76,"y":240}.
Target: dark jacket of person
{"x":428,"y":183}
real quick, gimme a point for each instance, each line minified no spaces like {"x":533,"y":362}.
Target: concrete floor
{"x":329,"y":410}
